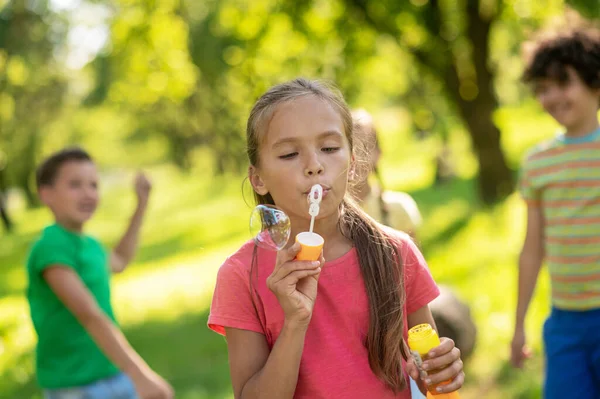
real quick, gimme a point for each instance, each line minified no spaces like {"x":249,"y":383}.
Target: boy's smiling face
{"x":570,"y":103}
{"x":73,"y":195}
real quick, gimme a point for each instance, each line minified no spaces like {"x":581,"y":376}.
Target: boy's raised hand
{"x":143,"y":186}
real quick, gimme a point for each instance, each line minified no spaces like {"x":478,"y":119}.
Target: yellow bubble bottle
{"x":421,"y":339}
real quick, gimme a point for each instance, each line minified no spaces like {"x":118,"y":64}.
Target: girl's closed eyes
{"x":327,"y":150}
{"x":288,"y":156}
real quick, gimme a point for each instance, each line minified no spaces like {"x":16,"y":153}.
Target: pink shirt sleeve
{"x":418,"y":283}
{"x":232,"y":304}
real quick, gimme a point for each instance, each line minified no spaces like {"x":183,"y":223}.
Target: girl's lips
{"x":325,"y":192}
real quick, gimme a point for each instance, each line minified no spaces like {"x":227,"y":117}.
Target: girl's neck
{"x":326,"y":227}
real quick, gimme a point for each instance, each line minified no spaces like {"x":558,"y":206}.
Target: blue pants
{"x":116,"y":387}
{"x":572,"y":344}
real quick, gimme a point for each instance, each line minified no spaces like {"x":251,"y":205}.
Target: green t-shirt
{"x":66,"y":355}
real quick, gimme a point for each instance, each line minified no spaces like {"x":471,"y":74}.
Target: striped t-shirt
{"x":563,"y":177}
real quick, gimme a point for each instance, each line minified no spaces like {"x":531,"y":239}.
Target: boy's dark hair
{"x":48,"y":170}
{"x":576,"y":45}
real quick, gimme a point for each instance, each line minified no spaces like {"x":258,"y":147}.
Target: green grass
{"x":194,"y":222}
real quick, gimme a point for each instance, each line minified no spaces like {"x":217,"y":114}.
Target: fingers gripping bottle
{"x":421,"y":339}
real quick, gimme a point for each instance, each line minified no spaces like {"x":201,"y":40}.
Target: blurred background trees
{"x":178,"y":76}
{"x":167,"y":85}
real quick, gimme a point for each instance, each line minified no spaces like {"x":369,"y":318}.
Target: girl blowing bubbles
{"x":326,"y":329}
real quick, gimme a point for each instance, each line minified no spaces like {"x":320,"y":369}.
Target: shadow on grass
{"x":18,"y":382}
{"x":184,"y":351}
{"x":450,"y":230}
{"x":523,"y":388}
{"x":433,"y":197}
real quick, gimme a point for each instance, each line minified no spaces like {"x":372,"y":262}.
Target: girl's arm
{"x":421,"y":316}
{"x":256,"y":373}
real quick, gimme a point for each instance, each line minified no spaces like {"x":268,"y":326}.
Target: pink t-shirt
{"x":335,"y":362}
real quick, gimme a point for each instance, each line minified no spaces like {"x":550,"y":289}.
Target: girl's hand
{"x":294,"y":283}
{"x":416,"y":373}
{"x":446,"y":359}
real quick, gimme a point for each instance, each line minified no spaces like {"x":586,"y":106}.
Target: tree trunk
{"x":4,"y":213}
{"x":495,"y":177}
{"x":26,"y":167}
{"x":30,"y":196}
{"x":4,"y":202}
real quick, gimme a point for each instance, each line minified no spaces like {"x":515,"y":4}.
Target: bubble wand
{"x":311,"y":244}
{"x":315,"y":197}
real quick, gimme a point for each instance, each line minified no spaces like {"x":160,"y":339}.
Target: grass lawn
{"x":162,"y":300}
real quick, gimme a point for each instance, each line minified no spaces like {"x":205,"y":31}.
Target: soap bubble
{"x":270,"y":227}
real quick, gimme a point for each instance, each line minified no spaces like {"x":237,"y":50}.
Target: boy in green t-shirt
{"x":81,"y":352}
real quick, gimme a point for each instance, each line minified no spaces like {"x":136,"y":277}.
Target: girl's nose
{"x":313,"y":167}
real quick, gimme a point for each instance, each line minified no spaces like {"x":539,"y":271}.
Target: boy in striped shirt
{"x":560,"y":182}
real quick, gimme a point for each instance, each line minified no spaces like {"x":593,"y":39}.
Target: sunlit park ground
{"x":195,"y":221}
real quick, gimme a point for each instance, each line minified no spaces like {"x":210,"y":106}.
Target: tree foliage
{"x":177,"y":77}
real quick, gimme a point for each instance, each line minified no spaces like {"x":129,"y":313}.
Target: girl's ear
{"x":352,"y":174}
{"x":257,"y":183}
{"x":352,"y":170}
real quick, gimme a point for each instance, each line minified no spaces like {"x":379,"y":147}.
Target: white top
{"x":403,"y":212}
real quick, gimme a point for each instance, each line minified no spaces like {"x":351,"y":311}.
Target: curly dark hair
{"x":551,"y":52}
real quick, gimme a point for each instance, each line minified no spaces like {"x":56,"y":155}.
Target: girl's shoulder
{"x":241,"y":258}
{"x":401,"y":240}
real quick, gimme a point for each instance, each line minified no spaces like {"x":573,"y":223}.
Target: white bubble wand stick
{"x":315,"y":197}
